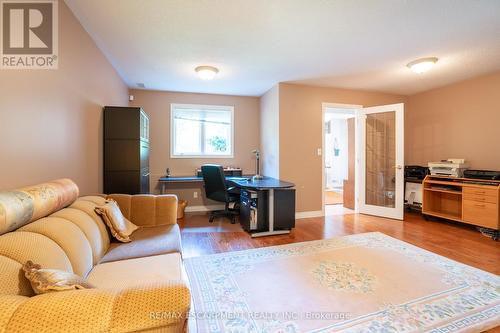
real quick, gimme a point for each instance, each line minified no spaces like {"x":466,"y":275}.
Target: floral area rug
{"x":359,"y":283}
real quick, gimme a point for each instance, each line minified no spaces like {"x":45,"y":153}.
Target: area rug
{"x":359,"y":283}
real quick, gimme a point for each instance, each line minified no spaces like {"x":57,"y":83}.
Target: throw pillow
{"x":120,"y":227}
{"x":48,"y":280}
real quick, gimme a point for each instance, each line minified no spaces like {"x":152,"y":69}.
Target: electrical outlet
{"x":319,"y":151}
{"x":195,"y":194}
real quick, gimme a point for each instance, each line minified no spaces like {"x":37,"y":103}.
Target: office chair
{"x":216,"y":189}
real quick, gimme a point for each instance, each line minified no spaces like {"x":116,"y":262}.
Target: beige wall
{"x":269,"y":132}
{"x":300,"y":134}
{"x":457,"y":121}
{"x":51,"y":120}
{"x":157,"y":106}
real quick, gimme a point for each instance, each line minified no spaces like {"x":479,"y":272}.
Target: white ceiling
{"x":361,"y":44}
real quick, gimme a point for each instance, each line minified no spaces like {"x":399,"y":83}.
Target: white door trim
{"x":398,"y":211}
{"x":325,"y":106}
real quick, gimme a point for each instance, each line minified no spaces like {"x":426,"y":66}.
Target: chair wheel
{"x":211,"y":219}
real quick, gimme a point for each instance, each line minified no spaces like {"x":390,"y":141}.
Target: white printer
{"x":452,"y":167}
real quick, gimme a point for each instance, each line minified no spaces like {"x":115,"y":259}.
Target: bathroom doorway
{"x":339,"y":126}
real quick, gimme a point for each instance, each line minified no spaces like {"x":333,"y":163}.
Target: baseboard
{"x":309,"y":214}
{"x":192,"y":209}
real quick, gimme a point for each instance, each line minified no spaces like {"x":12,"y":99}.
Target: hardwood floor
{"x":333,"y":198}
{"x":455,"y":241}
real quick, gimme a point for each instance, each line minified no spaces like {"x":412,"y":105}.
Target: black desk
{"x":267,"y":185}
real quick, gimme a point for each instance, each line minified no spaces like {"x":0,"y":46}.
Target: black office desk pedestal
{"x":281,"y":212}
{"x":275,"y":202}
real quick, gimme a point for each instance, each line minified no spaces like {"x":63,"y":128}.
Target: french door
{"x":381,"y":159}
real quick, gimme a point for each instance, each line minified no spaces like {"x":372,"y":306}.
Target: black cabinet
{"x":284,"y":209}
{"x":254,"y":209}
{"x":126,"y":150}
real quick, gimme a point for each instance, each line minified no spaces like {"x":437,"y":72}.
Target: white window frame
{"x":224,"y":108}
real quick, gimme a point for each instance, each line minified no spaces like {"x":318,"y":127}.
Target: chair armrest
{"x":134,"y":309}
{"x":148,"y":209}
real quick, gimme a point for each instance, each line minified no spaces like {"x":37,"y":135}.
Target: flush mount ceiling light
{"x":422,"y":65}
{"x":206,"y":72}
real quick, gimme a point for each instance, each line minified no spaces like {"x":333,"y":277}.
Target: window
{"x":201,"y":131}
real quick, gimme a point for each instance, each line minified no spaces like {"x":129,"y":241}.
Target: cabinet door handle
{"x":479,"y":192}
{"x":479,"y":205}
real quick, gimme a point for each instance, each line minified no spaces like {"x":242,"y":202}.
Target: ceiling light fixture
{"x":422,"y":65}
{"x":206,"y":72}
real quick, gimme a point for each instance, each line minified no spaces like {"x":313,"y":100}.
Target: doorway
{"x":375,"y":182}
{"x":339,"y":151}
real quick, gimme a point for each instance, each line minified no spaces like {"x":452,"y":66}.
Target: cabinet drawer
{"x":481,"y":198}
{"x":478,"y":191}
{"x":481,"y":213}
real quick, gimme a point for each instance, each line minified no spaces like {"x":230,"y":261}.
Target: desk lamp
{"x":257,"y":165}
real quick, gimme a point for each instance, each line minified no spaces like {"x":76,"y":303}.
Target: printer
{"x":482,"y":174}
{"x":414,"y":175}
{"x":452,"y":167}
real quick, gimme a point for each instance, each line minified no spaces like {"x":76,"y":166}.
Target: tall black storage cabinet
{"x":126,"y":150}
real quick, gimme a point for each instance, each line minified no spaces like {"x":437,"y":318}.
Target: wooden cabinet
{"x":470,"y":201}
{"x":126,"y":150}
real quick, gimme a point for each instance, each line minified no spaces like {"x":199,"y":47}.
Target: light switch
{"x":319,"y":151}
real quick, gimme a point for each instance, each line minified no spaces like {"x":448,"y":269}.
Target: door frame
{"x":362,"y":207}
{"x":355,"y":108}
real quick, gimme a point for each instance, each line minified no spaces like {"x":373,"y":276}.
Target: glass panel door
{"x":381,"y":161}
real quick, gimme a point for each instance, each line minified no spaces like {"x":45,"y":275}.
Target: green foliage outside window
{"x":219,"y":143}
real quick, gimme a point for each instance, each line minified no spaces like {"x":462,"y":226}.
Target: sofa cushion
{"x":22,"y":246}
{"x":12,"y":279}
{"x":89,"y":228}
{"x":86,"y":205}
{"x":9,"y":304}
{"x":146,"y":241}
{"x":99,"y":310}
{"x":69,"y":237}
{"x":147,"y":209}
{"x":135,"y":272}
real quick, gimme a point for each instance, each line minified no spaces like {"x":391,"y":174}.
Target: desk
{"x":465,"y":200}
{"x":164,"y":181}
{"x":267,"y":186}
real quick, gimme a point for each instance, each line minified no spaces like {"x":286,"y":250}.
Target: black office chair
{"x":216,"y":189}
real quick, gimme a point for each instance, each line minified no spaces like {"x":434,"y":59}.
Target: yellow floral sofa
{"x":140,"y":286}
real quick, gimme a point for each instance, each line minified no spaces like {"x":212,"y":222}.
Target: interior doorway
{"x":375,"y":154}
{"x":339,"y":158}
